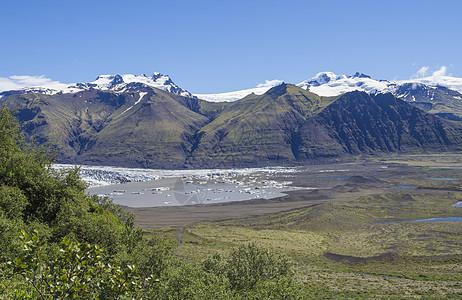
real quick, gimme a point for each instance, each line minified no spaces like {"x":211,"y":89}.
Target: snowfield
{"x":323,"y":84}
{"x":329,"y":84}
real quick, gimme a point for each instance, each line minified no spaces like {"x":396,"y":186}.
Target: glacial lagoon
{"x":150,"y":188}
{"x":180,"y":191}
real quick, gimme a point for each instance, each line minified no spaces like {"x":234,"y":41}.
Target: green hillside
{"x":147,"y":127}
{"x":157,"y":131}
{"x":258,"y":129}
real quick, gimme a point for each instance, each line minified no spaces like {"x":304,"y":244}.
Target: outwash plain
{"x":351,"y":235}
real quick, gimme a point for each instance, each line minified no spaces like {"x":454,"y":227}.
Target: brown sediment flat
{"x":179,"y":216}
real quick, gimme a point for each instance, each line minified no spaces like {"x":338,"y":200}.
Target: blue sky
{"x":219,"y":46}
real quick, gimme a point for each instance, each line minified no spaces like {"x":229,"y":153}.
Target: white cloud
{"x":17,"y":82}
{"x":439,"y":77}
{"x":426,"y":73}
{"x":440,"y":72}
{"x":7,"y":84}
{"x":32,"y":80}
{"x":421,"y":72}
{"x":270,"y":83}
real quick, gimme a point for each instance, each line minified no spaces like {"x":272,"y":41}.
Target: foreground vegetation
{"x":58,"y":242}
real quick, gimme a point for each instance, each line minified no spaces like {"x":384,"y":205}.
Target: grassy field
{"x":346,"y":249}
{"x":448,"y":159}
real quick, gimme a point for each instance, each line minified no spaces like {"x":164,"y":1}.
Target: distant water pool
{"x":448,"y":219}
{"x":406,"y":186}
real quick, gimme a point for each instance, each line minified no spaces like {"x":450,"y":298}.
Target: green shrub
{"x":187,"y":280}
{"x":250,"y":264}
{"x":252,"y":272}
{"x":79,"y":271}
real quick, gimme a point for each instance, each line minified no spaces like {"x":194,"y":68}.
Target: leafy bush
{"x":187,"y":280}
{"x":250,"y":264}
{"x":12,"y":202}
{"x":32,"y":191}
{"x":252,"y":272}
{"x":80,"y":271}
{"x":34,"y":195}
{"x":152,"y":255}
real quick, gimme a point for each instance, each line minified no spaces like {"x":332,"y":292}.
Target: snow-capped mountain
{"x":331,"y":84}
{"x":323,"y":84}
{"x":116,"y":83}
{"x":119,"y":82}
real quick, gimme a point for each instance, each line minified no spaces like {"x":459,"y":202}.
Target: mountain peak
{"x":278,"y":90}
{"x":322,"y":78}
{"x":330,"y":84}
{"x":108,"y":81}
{"x":360,"y":75}
{"x":156,"y":75}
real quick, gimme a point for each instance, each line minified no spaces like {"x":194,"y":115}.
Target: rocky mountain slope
{"x":148,"y":127}
{"x":290,"y":124}
{"x":438,"y":100}
{"x":437,"y":94}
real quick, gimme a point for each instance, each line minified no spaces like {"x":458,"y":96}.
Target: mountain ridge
{"x":117,"y":83}
{"x":323,"y":84}
{"x":331,"y":84}
{"x":148,"y":127}
{"x":352,"y":124}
